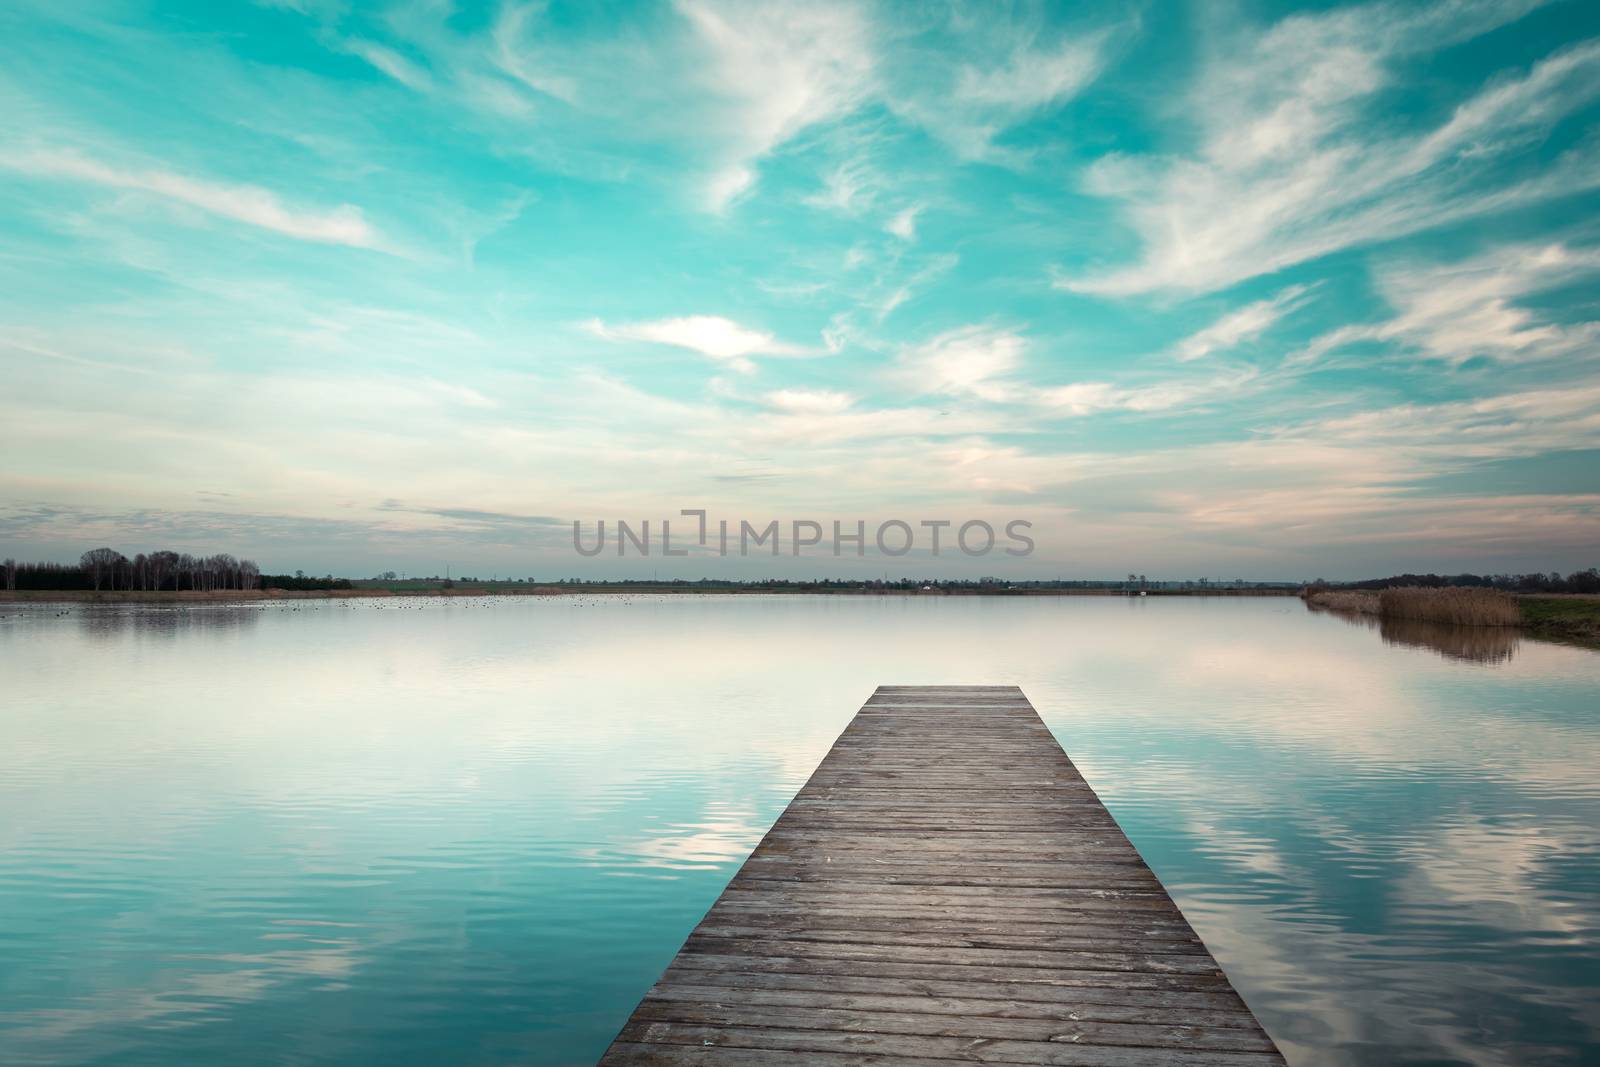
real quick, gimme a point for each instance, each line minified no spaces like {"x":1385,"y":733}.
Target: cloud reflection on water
{"x":1392,"y":851}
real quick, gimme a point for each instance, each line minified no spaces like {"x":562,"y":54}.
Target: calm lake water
{"x":474,"y":831}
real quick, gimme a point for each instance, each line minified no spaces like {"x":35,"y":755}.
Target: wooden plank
{"x":945,"y":888}
{"x":1081,"y":975}
{"x":986,"y":998}
{"x":956,"y":998}
{"x":1067,"y":1050}
{"x":1140,"y":1034}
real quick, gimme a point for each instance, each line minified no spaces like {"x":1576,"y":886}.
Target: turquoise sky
{"x":1262,"y":290}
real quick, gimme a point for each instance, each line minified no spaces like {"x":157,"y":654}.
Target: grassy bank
{"x":1563,"y":618}
{"x":1572,"y":618}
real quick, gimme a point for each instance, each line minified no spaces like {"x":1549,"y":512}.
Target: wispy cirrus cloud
{"x":1291,"y":166}
{"x":1238,"y":326}
{"x":1520,"y":423}
{"x":850,"y":187}
{"x":1092,"y":398}
{"x":514,"y":57}
{"x":1474,"y":308}
{"x":985,"y":363}
{"x":734,"y":83}
{"x":387,"y":60}
{"x":1030,"y":76}
{"x":778,"y":69}
{"x":1017,"y":77}
{"x":249,"y":204}
{"x":783,"y":69}
{"x":712,"y":336}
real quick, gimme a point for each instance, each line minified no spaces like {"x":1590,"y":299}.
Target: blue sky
{"x":1266,"y":290}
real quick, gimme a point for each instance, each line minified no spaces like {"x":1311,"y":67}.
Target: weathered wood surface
{"x":945,"y":887}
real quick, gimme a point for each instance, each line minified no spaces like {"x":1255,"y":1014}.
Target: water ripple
{"x":473,"y":831}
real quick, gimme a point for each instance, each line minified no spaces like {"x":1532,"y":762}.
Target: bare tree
{"x":163,"y":564}
{"x":100,"y":564}
{"x":10,"y":567}
{"x":225,"y":571}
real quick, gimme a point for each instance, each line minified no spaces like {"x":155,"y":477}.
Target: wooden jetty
{"x":946,"y":887}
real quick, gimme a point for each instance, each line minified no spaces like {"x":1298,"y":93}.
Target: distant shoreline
{"x":1572,"y":619}
{"x":134,"y":596}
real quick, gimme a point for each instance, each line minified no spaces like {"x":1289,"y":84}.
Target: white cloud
{"x":983,"y":363}
{"x":779,"y":68}
{"x":390,"y":62}
{"x":510,"y":54}
{"x":848,"y":188}
{"x":1511,"y":424}
{"x":1469,"y":309}
{"x":1090,"y":398}
{"x":1492,"y":120}
{"x":736,"y":80}
{"x":1240,"y":325}
{"x":971,"y":361}
{"x":1290,"y":169}
{"x":887,"y":305}
{"x":728,"y":185}
{"x":1286,"y":490}
{"x":809,"y":401}
{"x":907,"y":288}
{"x":249,"y":204}
{"x":710,"y":335}
{"x":1012,"y":77}
{"x":1082,"y":398}
{"x":1353,"y":480}
{"x":904,"y":223}
{"x":1031,"y":78}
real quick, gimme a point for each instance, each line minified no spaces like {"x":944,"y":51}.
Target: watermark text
{"x":741,"y":537}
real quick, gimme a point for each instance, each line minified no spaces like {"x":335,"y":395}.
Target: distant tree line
{"x":108,"y":569}
{"x":299,"y":580}
{"x":984,"y":585}
{"x":1587,"y":581}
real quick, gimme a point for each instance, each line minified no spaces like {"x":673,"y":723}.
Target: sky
{"x":1262,"y":290}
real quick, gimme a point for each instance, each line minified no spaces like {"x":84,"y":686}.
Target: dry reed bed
{"x":1462,"y":605}
{"x":1360,"y":603}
